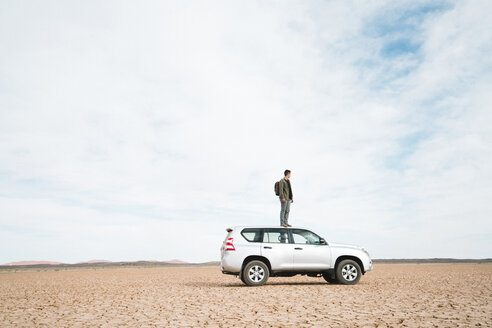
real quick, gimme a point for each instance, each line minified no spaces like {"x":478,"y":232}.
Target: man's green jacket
{"x":283,"y":188}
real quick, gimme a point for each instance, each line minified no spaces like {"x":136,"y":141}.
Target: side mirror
{"x":322,"y":241}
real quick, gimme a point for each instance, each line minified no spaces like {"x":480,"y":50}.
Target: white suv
{"x":256,"y":253}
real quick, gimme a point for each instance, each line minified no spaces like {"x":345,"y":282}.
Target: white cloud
{"x":124,"y":121}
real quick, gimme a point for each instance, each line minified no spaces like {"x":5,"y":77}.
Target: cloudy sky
{"x":141,"y":130}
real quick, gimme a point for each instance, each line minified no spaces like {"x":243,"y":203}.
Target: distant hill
{"x":176,"y":261}
{"x":103,"y":263}
{"x":433,"y":260}
{"x":25,"y":263}
{"x":21,"y":263}
{"x":180,"y":263}
{"x":94,"y":261}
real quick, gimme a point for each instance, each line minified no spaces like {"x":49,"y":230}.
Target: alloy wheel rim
{"x":349,"y":272}
{"x":256,"y":273}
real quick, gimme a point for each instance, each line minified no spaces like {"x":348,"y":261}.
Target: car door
{"x":276,"y":247}
{"x":310,"y":251}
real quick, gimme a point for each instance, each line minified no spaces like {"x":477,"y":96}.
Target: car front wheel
{"x":255,"y":273}
{"x":348,"y":272}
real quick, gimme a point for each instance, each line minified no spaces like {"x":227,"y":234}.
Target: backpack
{"x":277,"y":188}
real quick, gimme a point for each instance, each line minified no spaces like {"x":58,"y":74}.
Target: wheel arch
{"x":350,"y":257}
{"x":256,"y":258}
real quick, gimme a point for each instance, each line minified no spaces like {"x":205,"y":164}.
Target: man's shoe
{"x":284,"y":225}
{"x":288,"y":225}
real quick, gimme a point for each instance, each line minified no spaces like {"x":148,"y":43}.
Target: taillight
{"x":229,"y":245}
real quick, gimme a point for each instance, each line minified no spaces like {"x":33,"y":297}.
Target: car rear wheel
{"x":255,"y":273}
{"x":348,"y":272}
{"x":242,"y":278}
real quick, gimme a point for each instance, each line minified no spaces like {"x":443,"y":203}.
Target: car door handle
{"x":267,"y":247}
{"x":298,"y":248}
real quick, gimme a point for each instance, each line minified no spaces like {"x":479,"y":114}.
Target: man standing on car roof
{"x":285,"y":195}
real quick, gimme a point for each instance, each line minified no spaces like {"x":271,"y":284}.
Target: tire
{"x":242,"y":278}
{"x":329,"y":279}
{"x":348,"y":272}
{"x":255,"y":273}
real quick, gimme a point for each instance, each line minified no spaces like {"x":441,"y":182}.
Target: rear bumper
{"x":230,"y":264}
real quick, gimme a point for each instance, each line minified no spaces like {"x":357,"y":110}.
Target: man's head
{"x":287,"y":174}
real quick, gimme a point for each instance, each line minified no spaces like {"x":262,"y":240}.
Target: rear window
{"x":252,"y":234}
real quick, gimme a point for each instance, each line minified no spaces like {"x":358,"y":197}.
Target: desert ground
{"x":392,"y":295}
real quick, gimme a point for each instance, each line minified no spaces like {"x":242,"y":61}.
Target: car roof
{"x":267,"y":227}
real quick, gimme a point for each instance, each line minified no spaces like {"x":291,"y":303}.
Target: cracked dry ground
{"x":393,"y":295}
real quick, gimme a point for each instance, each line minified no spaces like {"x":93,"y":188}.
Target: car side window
{"x":252,"y":234}
{"x":276,"y":236}
{"x":305,"y":237}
